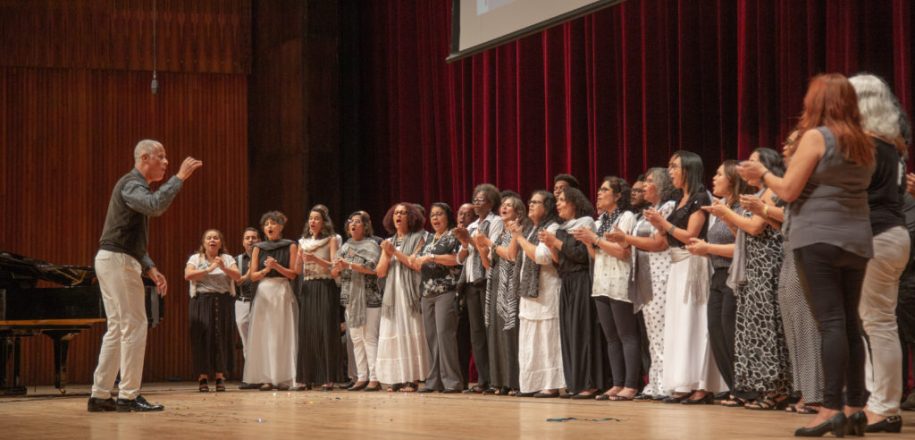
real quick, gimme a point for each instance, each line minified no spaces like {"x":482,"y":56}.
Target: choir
{"x":775,"y":290}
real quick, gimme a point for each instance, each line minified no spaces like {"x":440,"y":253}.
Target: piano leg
{"x":7,"y":345}
{"x":61,"y":340}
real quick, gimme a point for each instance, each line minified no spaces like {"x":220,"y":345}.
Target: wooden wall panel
{"x":66,"y":136}
{"x":212,"y":36}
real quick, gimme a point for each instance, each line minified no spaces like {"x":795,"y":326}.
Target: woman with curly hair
{"x":403,"y":356}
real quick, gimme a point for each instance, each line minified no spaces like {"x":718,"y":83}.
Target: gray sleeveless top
{"x":833,"y":208}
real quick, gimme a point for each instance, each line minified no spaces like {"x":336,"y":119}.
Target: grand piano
{"x":57,"y":312}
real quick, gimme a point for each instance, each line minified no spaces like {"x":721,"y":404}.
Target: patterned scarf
{"x":410,"y":280}
{"x":608,"y":220}
{"x":530,"y":270}
{"x":502,"y":287}
{"x":353,"y":295}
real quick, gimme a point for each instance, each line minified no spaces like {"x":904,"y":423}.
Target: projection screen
{"x":477,"y":25}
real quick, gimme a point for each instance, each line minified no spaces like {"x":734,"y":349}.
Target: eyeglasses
{"x":479,"y":201}
{"x":603,"y":189}
{"x":535,"y":202}
{"x":401,"y":212}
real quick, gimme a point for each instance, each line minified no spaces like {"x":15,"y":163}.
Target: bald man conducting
{"x":120,"y":263}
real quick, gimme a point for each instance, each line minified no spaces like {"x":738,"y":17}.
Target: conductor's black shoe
{"x":139,"y":405}
{"x":101,"y":405}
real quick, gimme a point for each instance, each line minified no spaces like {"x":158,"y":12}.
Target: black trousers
{"x":475,"y":300}
{"x":832,"y":278}
{"x":722,"y":316}
{"x":905,"y":318}
{"x":621,"y":330}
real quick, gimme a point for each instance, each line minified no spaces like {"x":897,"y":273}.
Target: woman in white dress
{"x":539,"y":349}
{"x":272,"y":335}
{"x":690,"y":372}
{"x":403,"y":356}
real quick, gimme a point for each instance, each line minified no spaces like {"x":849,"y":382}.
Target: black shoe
{"x":583,"y":396}
{"x":249,"y":386}
{"x":346,"y":385}
{"x":542,"y":395}
{"x":835,"y":424}
{"x":676,"y":399}
{"x":451,"y":391}
{"x":139,"y":405}
{"x":220,"y":385}
{"x":525,"y":394}
{"x":889,"y":424}
{"x":476,"y":389}
{"x":265,"y":387}
{"x":490,"y":390}
{"x":856,"y":424}
{"x":103,"y":405}
{"x":358,"y":387}
{"x":708,"y":398}
{"x":427,"y":390}
{"x":643,"y":398}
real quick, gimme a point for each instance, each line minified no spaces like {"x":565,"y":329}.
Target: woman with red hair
{"x":826,"y":186}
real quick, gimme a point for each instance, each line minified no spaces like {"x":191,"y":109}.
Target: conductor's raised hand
{"x":188,"y":167}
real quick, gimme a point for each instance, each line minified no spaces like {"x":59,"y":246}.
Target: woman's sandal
{"x":804,"y":409}
{"x":620,"y":398}
{"x":768,"y":403}
{"x":220,"y":385}
{"x":203,"y":387}
{"x":733,"y":402}
{"x":408,"y":388}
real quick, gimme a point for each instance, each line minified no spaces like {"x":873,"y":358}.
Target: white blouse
{"x":611,"y":274}
{"x":214,"y":282}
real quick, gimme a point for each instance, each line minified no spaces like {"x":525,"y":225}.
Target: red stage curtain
{"x":611,"y":93}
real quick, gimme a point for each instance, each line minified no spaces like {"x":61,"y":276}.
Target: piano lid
{"x":24,"y":272}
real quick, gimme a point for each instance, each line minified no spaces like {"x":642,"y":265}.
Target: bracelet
{"x":670,"y":230}
{"x":766,"y":211}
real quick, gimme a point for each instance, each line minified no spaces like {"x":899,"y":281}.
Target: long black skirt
{"x":583,"y":361}
{"x":320,"y":357}
{"x":212,"y":325}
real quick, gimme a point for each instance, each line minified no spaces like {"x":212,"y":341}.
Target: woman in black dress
{"x":320,"y":353}
{"x":582,"y":352}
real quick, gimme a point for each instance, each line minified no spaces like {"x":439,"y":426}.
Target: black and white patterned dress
{"x":801,"y":332}
{"x":761,"y":352}
{"x":658,"y":265}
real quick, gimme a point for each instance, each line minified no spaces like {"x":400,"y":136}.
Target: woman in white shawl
{"x":403,"y":356}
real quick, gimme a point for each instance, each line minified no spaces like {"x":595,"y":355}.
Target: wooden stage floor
{"x":359,"y":415}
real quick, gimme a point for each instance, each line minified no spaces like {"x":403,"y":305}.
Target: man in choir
{"x":246,"y":289}
{"x":120,"y":263}
{"x":561,"y":181}
{"x":486,"y":201}
{"x":465,"y":215}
